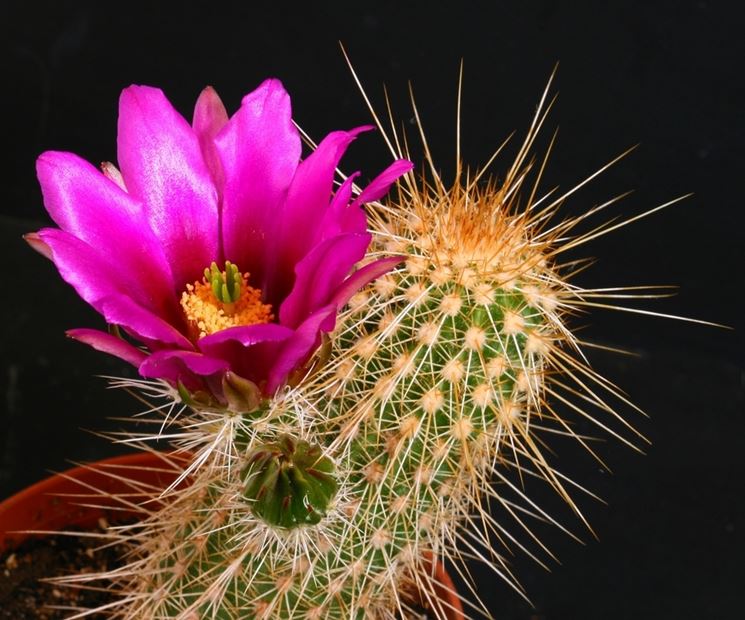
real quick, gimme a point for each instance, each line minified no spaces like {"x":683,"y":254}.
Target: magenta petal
{"x":86,"y":204}
{"x":97,"y":278}
{"x":162,"y":165}
{"x":363,"y":276}
{"x":101,"y":341}
{"x":319,"y":275}
{"x":298,"y":348}
{"x":342,"y":217}
{"x":343,"y":195}
{"x":251,"y":350}
{"x":180,"y":366}
{"x":121,"y":310}
{"x":93,"y":272}
{"x":209,"y":118}
{"x":380,"y":185}
{"x":308,"y":199}
{"x":259,"y":149}
{"x":246,"y":335}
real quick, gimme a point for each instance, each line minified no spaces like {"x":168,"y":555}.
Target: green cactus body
{"x":436,"y":372}
{"x":331,"y":500}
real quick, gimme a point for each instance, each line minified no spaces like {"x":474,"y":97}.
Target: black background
{"x":666,"y":76}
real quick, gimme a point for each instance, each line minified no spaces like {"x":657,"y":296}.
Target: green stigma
{"x":289,"y":482}
{"x":226,"y":285}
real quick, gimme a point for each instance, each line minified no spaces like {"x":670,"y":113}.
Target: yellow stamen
{"x":207,"y":314}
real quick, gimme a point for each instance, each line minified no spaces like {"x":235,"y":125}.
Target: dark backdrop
{"x":664,"y":75}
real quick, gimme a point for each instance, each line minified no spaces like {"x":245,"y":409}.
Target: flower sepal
{"x":197,"y":399}
{"x":242,"y":395}
{"x":232,"y":393}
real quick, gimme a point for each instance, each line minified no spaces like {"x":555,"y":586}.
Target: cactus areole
{"x":289,"y":482}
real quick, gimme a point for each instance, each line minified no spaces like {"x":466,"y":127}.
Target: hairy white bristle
{"x":367,"y":346}
{"x":482,"y":395}
{"x":441,"y":275}
{"x":385,"y":286}
{"x":387,"y":324}
{"x":536,"y":343}
{"x":403,"y":364}
{"x":468,"y":276}
{"x":475,"y":338}
{"x":483,"y":294}
{"x":432,"y":400}
{"x":462,"y":428}
{"x":409,"y":425}
{"x":381,"y":538}
{"x":495,"y":367}
{"x":451,"y":304}
{"x":374,"y":472}
{"x":416,"y":265}
{"x":416,"y":294}
{"x":359,"y":302}
{"x":514,"y":323}
{"x":453,"y":371}
{"x":427,"y":333}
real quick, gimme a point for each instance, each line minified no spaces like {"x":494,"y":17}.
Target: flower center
{"x":221,"y":300}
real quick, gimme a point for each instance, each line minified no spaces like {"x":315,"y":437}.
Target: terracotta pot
{"x":54,"y":504}
{"x":445,"y":592}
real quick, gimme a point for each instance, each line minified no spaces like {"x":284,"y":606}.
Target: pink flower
{"x":136,"y":244}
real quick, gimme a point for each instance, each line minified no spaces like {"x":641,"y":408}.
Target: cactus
{"x":432,"y":399}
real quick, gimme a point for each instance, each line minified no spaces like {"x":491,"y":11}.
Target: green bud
{"x":289,"y":482}
{"x":243,"y":396}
